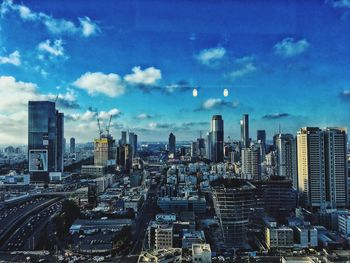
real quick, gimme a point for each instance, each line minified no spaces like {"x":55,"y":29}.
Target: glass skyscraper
{"x":45,"y":139}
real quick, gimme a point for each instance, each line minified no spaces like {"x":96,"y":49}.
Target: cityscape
{"x":223,"y":136}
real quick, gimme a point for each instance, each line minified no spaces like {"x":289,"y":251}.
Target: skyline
{"x":140,"y":64}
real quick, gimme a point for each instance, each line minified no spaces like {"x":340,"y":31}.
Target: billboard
{"x":38,"y":161}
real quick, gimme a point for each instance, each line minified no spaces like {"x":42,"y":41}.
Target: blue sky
{"x":284,"y":62}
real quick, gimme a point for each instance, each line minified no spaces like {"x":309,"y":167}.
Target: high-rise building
{"x":72,"y":145}
{"x":123,"y":138}
{"x":64,"y":145}
{"x":233,"y":201}
{"x":217,"y":139}
{"x":201,"y":147}
{"x":245,"y":131}
{"x":251,"y":162}
{"x":194,"y":149}
{"x":45,"y":139}
{"x":287,"y":157}
{"x":105,"y":150}
{"x":322,"y":167}
{"x":261,"y":136}
{"x":133,"y":143}
{"x":124,"y":157}
{"x":172,"y":143}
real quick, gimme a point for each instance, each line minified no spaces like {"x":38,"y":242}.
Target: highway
{"x":19,"y":218}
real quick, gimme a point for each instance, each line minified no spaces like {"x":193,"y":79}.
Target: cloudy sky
{"x":283,"y":63}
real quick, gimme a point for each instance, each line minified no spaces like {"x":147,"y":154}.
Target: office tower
{"x":201,"y":147}
{"x":287,"y":157}
{"x":123,"y":138}
{"x":72,"y":145}
{"x":322,"y":167}
{"x":208,"y":146}
{"x":261,"y":136}
{"x":245,"y":130}
{"x":277,"y":196}
{"x":134,"y":146}
{"x":127,"y":157}
{"x":217,"y":139}
{"x":251,"y":162}
{"x":172,"y":143}
{"x":45,"y":139}
{"x":194,"y":149}
{"x":104,"y":153}
{"x":233,"y":200}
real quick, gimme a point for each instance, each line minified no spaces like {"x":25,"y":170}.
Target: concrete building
{"x":251,"y":162}
{"x":170,"y":255}
{"x":344,"y":223}
{"x":306,"y":236}
{"x":278,"y":237}
{"x":201,"y":253}
{"x":93,"y":170}
{"x":287,"y":157}
{"x":322,"y":167}
{"x":104,"y":153}
{"x":233,"y":200}
{"x":160,"y":234}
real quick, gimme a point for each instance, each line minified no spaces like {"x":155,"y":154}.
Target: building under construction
{"x":105,"y":147}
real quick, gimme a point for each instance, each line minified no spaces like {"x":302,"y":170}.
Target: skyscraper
{"x":72,"y":145}
{"x":45,"y":139}
{"x":105,"y":150}
{"x":261,"y":136}
{"x":217,"y":139}
{"x":287,"y":157}
{"x":322,"y":167}
{"x":123,"y":138}
{"x":251,"y":162}
{"x":172,"y":143}
{"x":245,"y":130}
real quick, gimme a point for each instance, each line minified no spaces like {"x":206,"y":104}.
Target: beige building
{"x":322,"y":167}
{"x":201,"y":253}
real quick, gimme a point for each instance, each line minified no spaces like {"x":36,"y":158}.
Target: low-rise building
{"x":201,"y":253}
{"x":170,"y":255}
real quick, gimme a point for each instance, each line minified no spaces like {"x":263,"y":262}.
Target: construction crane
{"x":99,"y":127}
{"x":109,"y":125}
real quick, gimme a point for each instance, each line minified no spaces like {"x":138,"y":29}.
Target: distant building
{"x":72,"y":145}
{"x":123,"y":138}
{"x":172,"y":143}
{"x":133,"y":143}
{"x":45,"y":140}
{"x":306,"y":236}
{"x":160,"y":234}
{"x":194,"y":149}
{"x":217,"y":139}
{"x":233,"y":201}
{"x":124,"y":157}
{"x":322,"y":167}
{"x":278,"y":237}
{"x":201,"y":147}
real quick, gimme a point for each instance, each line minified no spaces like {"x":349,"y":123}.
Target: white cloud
{"x":53,"y":25}
{"x":243,"y":70}
{"x":106,"y":114}
{"x":54,"y":48}
{"x":14,"y":58}
{"x":89,"y":28}
{"x":98,"y":82}
{"x":143,"y":116}
{"x":289,"y":47}
{"x":148,"y":76}
{"x":211,"y":56}
{"x":212,"y":103}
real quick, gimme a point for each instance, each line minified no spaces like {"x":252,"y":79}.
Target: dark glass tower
{"x":72,"y":145}
{"x":217,"y":139}
{"x":245,"y":131}
{"x":45,"y":139}
{"x":172,"y":143}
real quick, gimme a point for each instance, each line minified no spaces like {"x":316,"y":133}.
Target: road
{"x":26,"y":234}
